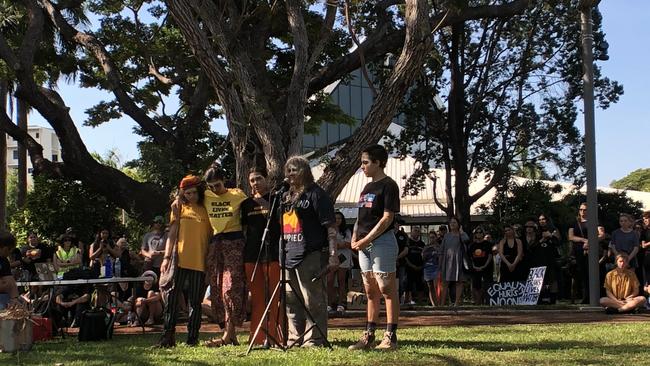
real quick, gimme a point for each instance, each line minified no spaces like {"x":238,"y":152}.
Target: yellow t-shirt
{"x":224,"y":210}
{"x":621,"y":283}
{"x":193,"y":237}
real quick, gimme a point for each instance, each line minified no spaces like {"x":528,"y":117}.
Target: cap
{"x":159,"y":220}
{"x":151,"y":274}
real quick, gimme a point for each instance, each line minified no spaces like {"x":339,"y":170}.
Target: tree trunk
{"x":409,"y":65}
{"x":456,"y":123}
{"x":4,"y":93}
{"x":22,"y":154}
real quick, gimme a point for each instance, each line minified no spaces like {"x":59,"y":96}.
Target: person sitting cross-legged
{"x":622,"y":288}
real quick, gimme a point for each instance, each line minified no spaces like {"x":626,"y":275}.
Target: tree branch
{"x":33,"y":34}
{"x":384,"y":40}
{"x":39,"y":162}
{"x":92,"y":45}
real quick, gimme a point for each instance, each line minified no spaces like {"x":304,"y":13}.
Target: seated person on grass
{"x":148,"y":301}
{"x":72,"y":301}
{"x":622,"y":288}
{"x":8,"y":288}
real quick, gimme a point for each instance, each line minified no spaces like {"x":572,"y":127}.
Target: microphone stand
{"x":281,"y":286}
{"x":275,"y":198}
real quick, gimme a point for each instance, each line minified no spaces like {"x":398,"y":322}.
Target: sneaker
{"x":366,"y":342}
{"x":329,"y":309}
{"x":389,"y":343}
{"x":411,"y":302}
{"x":340,"y":309}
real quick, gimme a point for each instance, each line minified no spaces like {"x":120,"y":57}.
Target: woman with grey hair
{"x":309,"y":229}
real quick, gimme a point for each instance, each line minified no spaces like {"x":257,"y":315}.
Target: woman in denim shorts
{"x":375,"y":241}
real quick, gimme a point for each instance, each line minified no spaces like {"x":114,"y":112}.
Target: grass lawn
{"x":596,"y":344}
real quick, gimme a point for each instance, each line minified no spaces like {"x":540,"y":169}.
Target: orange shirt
{"x":621,"y":283}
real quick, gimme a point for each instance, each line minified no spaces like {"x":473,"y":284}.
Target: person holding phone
{"x":375,"y":241}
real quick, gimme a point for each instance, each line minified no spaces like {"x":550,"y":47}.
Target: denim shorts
{"x":381,"y":255}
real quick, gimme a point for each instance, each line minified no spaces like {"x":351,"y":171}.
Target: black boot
{"x":167,"y":339}
{"x":192,"y":340}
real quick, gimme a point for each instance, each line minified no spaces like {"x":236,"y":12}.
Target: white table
{"x":93,"y":281}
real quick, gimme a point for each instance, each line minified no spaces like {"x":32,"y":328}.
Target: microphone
{"x":325,"y":270}
{"x":282,"y":187}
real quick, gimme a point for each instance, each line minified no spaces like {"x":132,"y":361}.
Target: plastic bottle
{"x":118,"y":268}
{"x":102,"y":269}
{"x":108,"y":263}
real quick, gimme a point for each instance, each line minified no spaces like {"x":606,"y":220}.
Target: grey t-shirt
{"x":156,"y":242}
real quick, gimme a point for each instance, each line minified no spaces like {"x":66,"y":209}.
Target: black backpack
{"x":96,"y":323}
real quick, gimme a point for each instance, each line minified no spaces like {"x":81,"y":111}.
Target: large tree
{"x":508,"y":95}
{"x":263,"y":64}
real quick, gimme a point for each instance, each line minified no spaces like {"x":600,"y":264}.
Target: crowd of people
{"x":221,"y":254}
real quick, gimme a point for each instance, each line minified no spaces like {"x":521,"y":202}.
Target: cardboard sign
{"x":518,"y":292}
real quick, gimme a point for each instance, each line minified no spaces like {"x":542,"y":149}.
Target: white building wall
{"x":44,"y":136}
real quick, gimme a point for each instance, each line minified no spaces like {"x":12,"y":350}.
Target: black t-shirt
{"x":580,"y":230}
{"x":480,"y":252}
{"x":254,"y":213}
{"x":376,"y":197}
{"x":46,"y":254}
{"x":140,"y":291}
{"x":415,"y":252}
{"x":5,"y":267}
{"x":305,"y":223}
{"x":123,"y":294}
{"x":402,"y":242}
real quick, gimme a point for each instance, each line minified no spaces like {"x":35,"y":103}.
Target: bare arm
{"x":520,"y":252}
{"x":332,"y":245}
{"x":384,"y":223}
{"x":95,"y":251}
{"x":169,"y":245}
{"x":115,"y":252}
{"x":503,"y":257}
{"x":576,"y":239}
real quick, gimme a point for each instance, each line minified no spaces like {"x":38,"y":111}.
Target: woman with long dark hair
{"x":546,"y":254}
{"x":189,"y":234}
{"x":225,"y":261}
{"x":102,"y":247}
{"x":254,"y":215}
{"x":343,"y":238}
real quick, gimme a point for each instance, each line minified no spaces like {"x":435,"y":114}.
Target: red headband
{"x":189,"y":181}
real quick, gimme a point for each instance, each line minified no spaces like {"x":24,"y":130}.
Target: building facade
{"x":46,"y":138}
